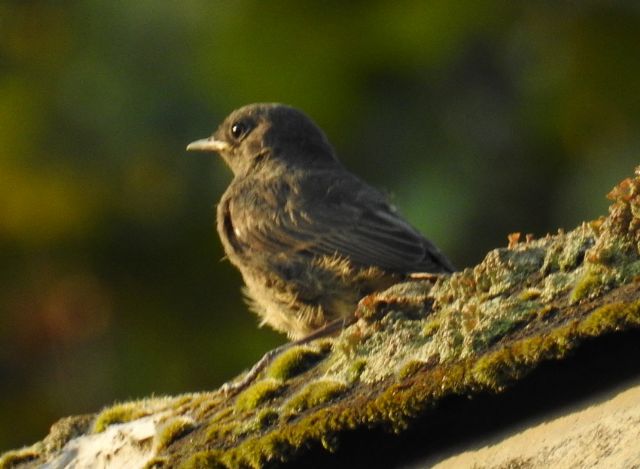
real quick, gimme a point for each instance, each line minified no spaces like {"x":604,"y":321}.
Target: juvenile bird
{"x":309,"y":237}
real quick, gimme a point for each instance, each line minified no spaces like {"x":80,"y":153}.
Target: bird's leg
{"x":234,"y":387}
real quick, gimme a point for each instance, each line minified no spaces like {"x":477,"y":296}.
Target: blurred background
{"x":479,"y":117}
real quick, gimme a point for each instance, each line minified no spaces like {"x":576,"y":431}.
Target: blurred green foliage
{"x":479,"y":117}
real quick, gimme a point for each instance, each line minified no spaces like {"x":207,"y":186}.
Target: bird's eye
{"x":238,"y":129}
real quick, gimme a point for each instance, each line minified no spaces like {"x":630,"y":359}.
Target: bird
{"x":309,"y":237}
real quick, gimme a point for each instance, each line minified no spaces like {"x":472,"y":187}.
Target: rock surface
{"x":415,"y":374}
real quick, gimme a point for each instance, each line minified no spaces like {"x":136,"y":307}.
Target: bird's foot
{"x":232,"y":388}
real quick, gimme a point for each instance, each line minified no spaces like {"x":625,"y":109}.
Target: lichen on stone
{"x":415,"y":344}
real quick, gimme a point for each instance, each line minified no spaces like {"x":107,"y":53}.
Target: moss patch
{"x":294,"y":361}
{"x":258,"y":393}
{"x":611,"y":317}
{"x":119,"y":413}
{"x":590,"y":283}
{"x":410,"y":368}
{"x":157,"y":463}
{"x":18,"y":457}
{"x":314,"y":394}
{"x":128,"y":411}
{"x":172,"y":430}
{"x":65,"y":429}
{"x":266,"y":418}
{"x":431,"y":327}
{"x":220,"y":431}
{"x":355,"y":369}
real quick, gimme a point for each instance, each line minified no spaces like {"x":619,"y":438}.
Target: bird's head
{"x":268,"y":134}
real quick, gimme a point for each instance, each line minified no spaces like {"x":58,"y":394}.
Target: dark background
{"x":480,"y":118}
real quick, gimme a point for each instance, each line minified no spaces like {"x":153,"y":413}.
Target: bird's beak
{"x":207,"y":144}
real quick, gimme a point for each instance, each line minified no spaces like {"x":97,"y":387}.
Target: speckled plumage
{"x":309,"y":237}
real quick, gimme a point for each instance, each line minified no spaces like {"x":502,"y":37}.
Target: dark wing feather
{"x":326,"y":215}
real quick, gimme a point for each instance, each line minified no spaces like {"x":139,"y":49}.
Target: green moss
{"x":294,"y":361}
{"x":546,"y":312}
{"x":65,"y":429}
{"x":355,"y":369}
{"x":314,"y":394}
{"x":17,"y":457}
{"x":205,"y":460}
{"x":497,"y":369}
{"x":324,"y":346}
{"x":529,"y":294}
{"x":431,"y":327}
{"x":119,"y":413}
{"x":590,"y":283}
{"x":266,"y":418}
{"x":157,"y":463}
{"x":452,"y":379}
{"x":410,"y":368}
{"x":221,"y":430}
{"x":222,"y":414}
{"x":258,"y":393}
{"x":172,"y":430}
{"x":611,"y":317}
{"x":205,"y":406}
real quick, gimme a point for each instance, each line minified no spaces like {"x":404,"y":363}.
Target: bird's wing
{"x":339,"y":215}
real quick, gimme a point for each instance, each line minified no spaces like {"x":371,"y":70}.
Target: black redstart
{"x":309,"y":237}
